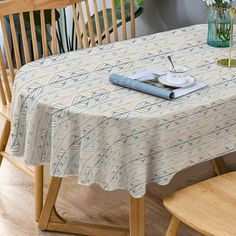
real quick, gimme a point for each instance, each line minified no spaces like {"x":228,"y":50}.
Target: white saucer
{"x":190,"y":80}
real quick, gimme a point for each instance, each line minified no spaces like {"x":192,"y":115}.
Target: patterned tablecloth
{"x":68,"y":114}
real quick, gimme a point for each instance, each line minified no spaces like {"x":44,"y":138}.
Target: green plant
{"x":137,"y":2}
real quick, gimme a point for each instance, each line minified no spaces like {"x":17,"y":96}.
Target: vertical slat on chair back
{"x":132,"y":19}
{"x":90,"y":25}
{"x":7,"y":49}
{"x":5,"y":88}
{"x":83,"y":26}
{"x":114,"y":21}
{"x":105,"y":20}
{"x":2,"y":94}
{"x":43,"y":33}
{"x":33,"y":36}
{"x":91,"y":19}
{"x":24,"y":38}
{"x":123,"y":16}
{"x":15,"y":42}
{"x":102,"y":32}
{"x":54,"y":32}
{"x":77,"y":28}
{"x":98,"y":27}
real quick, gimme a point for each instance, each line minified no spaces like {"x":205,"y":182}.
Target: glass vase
{"x":219,"y":27}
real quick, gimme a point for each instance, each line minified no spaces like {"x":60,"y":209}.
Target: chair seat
{"x":5,"y":111}
{"x":208,"y":207}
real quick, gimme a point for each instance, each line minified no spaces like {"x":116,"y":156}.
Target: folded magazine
{"x":146,"y":82}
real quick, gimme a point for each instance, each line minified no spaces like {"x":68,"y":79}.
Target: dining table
{"x":67,"y":114}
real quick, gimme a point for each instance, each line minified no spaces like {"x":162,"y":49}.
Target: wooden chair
{"x":208,"y":207}
{"x":86,"y":35}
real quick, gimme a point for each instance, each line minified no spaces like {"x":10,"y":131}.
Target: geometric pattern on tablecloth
{"x":66,"y":113}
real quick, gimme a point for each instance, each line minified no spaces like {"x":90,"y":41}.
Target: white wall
{"x":160,"y":15}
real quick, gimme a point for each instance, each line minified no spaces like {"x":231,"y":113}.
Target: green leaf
{"x":37,"y":22}
{"x":48,"y":17}
{"x":127,"y":11}
{"x":101,"y":21}
{"x":138,"y":12}
{"x":137,"y":2}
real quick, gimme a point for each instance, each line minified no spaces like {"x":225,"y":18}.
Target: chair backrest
{"x":38,"y":20}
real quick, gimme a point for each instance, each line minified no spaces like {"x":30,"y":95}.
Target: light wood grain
{"x":15,"y":42}
{"x":4,"y":135}
{"x":52,"y":221}
{"x":105,"y":19}
{"x":2,"y":95}
{"x":98,"y":27}
{"x":7,"y":49}
{"x":208,"y":207}
{"x":33,"y":35}
{"x":5,"y":111}
{"x":16,"y":6}
{"x":77,"y":28}
{"x":137,"y":216}
{"x":123,"y":16}
{"x":39,"y":190}
{"x":54,"y":32}
{"x":6,"y":91}
{"x":132,"y":17}
{"x":17,"y":164}
{"x":83,"y":25}
{"x":24,"y":38}
{"x":50,"y":202}
{"x":114,"y":21}
{"x":44,"y":35}
{"x":90,"y":26}
{"x":173,"y":227}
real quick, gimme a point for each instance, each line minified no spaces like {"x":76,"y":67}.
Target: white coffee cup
{"x":177,"y":76}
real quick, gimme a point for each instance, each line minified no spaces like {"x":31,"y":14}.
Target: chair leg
{"x":219,"y":166}
{"x":173,"y":227}
{"x":4,"y":137}
{"x":38,"y":192}
{"x":1,"y":157}
{"x":50,"y":201}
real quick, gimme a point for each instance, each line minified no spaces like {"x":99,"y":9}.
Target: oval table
{"x":67,"y":114}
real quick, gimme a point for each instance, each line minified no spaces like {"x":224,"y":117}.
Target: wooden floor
{"x":89,"y":204}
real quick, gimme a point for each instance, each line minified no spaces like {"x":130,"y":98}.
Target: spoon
{"x":173,"y":66}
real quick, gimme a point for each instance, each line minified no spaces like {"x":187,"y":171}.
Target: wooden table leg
{"x":50,"y":201}
{"x":38,"y":185}
{"x":137,"y":216}
{"x":52,"y":221}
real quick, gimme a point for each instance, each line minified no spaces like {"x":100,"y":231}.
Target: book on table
{"x":148,"y":82}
